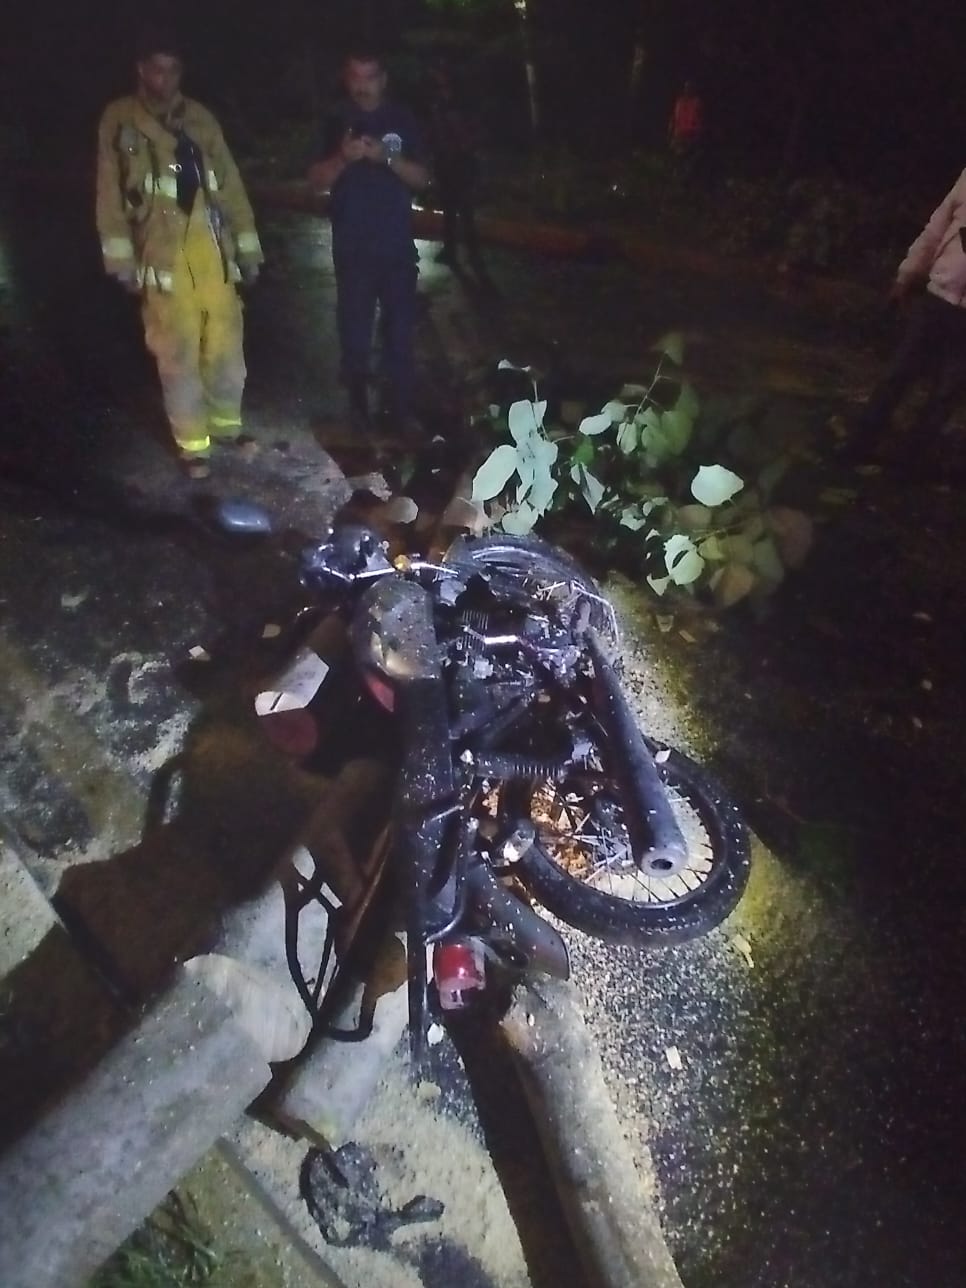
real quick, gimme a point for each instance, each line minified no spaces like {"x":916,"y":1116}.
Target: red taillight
{"x":380,"y":690}
{"x":457,"y":970}
{"x":294,"y":732}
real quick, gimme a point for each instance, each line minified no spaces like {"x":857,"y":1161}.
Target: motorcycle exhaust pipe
{"x":516,"y":924}
{"x":657,"y":842}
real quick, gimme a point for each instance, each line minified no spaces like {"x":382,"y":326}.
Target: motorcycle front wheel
{"x":581,"y":868}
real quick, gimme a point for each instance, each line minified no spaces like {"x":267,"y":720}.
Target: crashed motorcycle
{"x":526,"y":794}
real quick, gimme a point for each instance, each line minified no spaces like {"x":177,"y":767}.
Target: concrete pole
{"x":608,"y":1207}
{"x":86,"y":1175}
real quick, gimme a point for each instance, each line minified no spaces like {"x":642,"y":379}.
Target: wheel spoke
{"x":581,"y":828}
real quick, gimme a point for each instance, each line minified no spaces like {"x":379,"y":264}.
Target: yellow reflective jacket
{"x":139,"y":221}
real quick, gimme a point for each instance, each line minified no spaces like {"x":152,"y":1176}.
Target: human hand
{"x":374,"y":150}
{"x":899,"y":290}
{"x":127,"y":280}
{"x":353,"y":148}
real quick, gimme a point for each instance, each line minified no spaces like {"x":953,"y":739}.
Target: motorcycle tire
{"x":618,"y":919}
{"x":529,"y":557}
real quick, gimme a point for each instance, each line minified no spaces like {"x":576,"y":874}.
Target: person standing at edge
{"x":371,"y":157}
{"x":177,"y":230}
{"x":685,"y":131}
{"x":455,"y":136}
{"x":933,"y":343}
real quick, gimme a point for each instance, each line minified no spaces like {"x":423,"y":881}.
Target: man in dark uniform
{"x":371,"y":157}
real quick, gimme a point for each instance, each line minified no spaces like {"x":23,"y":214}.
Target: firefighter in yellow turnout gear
{"x":176,"y":228}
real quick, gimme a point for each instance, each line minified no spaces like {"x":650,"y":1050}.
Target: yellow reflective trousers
{"x":195,"y":333}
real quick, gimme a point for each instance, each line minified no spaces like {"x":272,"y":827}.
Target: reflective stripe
{"x":157,"y":277}
{"x":248,"y":244}
{"x":117,"y":248}
{"x":212,"y":181}
{"x":166,"y":184}
{"x":194,"y":445}
{"x":225,"y":422}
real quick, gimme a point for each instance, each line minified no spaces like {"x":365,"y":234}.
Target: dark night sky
{"x":879,"y":88}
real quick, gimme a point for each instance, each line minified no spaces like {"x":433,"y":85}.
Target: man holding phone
{"x":371,"y":157}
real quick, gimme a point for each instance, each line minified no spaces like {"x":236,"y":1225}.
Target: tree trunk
{"x":530,"y":65}
{"x":636,"y":79}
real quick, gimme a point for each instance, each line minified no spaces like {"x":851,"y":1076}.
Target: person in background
{"x":371,"y":156}
{"x":177,"y":230}
{"x":686,"y":129}
{"x":454,"y":137}
{"x":933,"y":343}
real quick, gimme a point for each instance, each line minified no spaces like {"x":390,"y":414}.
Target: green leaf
{"x":793,"y":532}
{"x":615,"y":410}
{"x":526,"y":468}
{"x":627,"y":438}
{"x":754,"y":526}
{"x":684,"y":564}
{"x":520,"y":521}
{"x":647,"y":419}
{"x":495,"y":472}
{"x":633,"y":517}
{"x":713,"y":485}
{"x":672,"y":346}
{"x":595,"y":424}
{"x":767,"y":561}
{"x":633,"y":393}
{"x":584,"y":452}
{"x":738,"y":548}
{"x":591,"y":487}
{"x":522,"y":420}
{"x":506,"y":365}
{"x":712,"y":549}
{"x":654,"y":442}
{"x":694,"y":518}
{"x":659,"y":584}
{"x":688,"y":403}
{"x":543,"y":490}
{"x":732,"y":583}
{"x":676,"y":426}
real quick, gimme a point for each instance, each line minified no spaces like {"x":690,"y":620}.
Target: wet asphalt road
{"x":813,"y":1137}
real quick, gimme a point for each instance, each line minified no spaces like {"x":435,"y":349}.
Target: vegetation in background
{"x":651,"y":481}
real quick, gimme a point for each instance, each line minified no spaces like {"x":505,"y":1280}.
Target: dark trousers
{"x":933,"y":346}
{"x":366,"y":278}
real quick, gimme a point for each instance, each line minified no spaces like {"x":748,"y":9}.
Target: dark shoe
{"x":246,"y":445}
{"x":195,"y":466}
